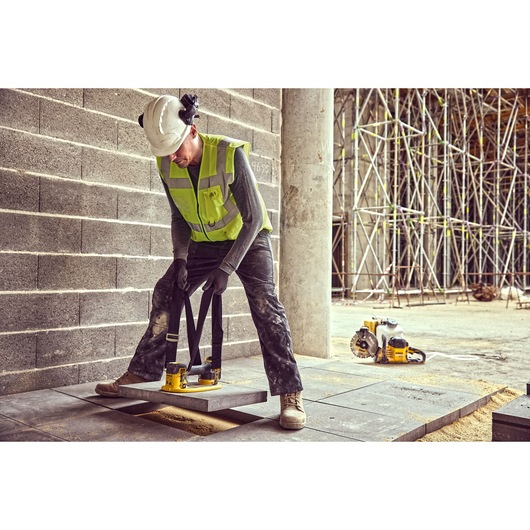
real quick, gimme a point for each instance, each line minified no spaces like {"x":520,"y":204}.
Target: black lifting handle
{"x":181,"y":299}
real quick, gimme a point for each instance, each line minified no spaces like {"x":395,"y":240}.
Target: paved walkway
{"x":346,"y":399}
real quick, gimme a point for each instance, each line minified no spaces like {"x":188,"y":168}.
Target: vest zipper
{"x":196,"y":192}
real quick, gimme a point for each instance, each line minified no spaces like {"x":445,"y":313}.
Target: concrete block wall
{"x":85,"y":226}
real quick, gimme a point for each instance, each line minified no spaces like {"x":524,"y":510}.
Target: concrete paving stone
{"x":13,"y":431}
{"x":254,"y":363}
{"x":501,"y":432}
{"x":362,"y":426}
{"x":367,"y":368}
{"x":431,"y":406}
{"x":270,"y":431}
{"x":42,"y":406}
{"x":320,"y":383}
{"x":514,"y":412}
{"x":105,"y":425}
{"x":86,"y":392}
{"x":240,"y":376}
{"x":226,"y":397}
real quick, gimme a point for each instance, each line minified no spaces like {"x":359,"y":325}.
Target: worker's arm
{"x":245,"y":191}
{"x":180,"y":230}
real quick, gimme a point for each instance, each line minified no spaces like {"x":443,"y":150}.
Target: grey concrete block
{"x":251,"y":112}
{"x":142,"y":273}
{"x":33,"y":311}
{"x":18,"y":351}
{"x":31,"y":153}
{"x":240,"y":327}
{"x":271,"y":196}
{"x":144,"y":207}
{"x":132,"y":139}
{"x":511,"y":423}
{"x":156,"y":181}
{"x":18,"y":272}
{"x":128,"y":337}
{"x":78,"y":125}
{"x":30,"y":380}
{"x":516,"y":411}
{"x":262,"y":168}
{"x":270,"y":96}
{"x":76,"y":272}
{"x":225,"y":397}
{"x":74,"y":346}
{"x":266,"y":143}
{"x":161,"y":243}
{"x":102,"y":370}
{"x":122,"y":102}
{"x":107,"y":307}
{"x":73,"y":96}
{"x":77,"y":198}
{"x":116,"y":169}
{"x":211,"y":100}
{"x":218,"y":125}
{"x":19,"y":111}
{"x":41,"y":234}
{"x":101,"y":237}
{"x":19,"y":191}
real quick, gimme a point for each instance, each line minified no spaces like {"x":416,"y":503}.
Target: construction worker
{"x":219,"y":226}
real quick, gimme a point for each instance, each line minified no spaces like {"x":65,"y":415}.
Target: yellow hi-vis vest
{"x":211,"y":210}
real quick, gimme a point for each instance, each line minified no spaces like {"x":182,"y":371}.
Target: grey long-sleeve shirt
{"x":245,"y":191}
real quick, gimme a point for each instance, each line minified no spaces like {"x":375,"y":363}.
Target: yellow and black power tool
{"x":209,"y":371}
{"x":382,"y":339}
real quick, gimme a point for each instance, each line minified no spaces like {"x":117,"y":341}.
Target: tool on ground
{"x":209,"y":371}
{"x":383,"y":340}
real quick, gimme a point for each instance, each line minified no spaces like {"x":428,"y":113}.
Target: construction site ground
{"x":477,"y":356}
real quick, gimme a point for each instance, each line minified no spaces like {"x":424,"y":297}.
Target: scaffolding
{"x":431,"y":191}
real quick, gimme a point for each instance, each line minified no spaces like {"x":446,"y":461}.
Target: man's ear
{"x":193,"y":131}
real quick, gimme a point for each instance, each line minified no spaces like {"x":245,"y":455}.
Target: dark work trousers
{"x":256,"y":272}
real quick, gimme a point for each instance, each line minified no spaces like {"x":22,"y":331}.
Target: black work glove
{"x":218,"y":281}
{"x":180,"y":274}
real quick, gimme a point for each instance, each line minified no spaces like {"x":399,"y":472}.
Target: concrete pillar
{"x":306,"y":216}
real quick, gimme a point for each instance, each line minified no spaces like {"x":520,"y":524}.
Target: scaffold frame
{"x":431,"y":191}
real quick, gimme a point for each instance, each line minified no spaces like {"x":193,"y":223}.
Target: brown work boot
{"x":292,"y":414}
{"x":112,"y":389}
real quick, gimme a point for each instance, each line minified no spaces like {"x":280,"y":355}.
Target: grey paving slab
{"x":105,"y":425}
{"x":39,"y":406}
{"x":320,"y":383}
{"x":511,"y":423}
{"x":86,"y":392}
{"x":432,"y":406}
{"x":226,"y":397}
{"x":14,"y":431}
{"x":270,"y":431}
{"x":363,"y":426}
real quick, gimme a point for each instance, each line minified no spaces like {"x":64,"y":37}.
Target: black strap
{"x":181,"y":299}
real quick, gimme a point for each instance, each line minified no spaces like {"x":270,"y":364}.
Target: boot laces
{"x":292,"y":400}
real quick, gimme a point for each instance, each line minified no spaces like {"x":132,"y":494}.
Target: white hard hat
{"x":163,"y":126}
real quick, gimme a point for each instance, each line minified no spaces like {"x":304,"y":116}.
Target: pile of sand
{"x":475,"y":427}
{"x":189,"y":420}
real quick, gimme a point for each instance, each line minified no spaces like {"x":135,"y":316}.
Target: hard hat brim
{"x":172,"y":148}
